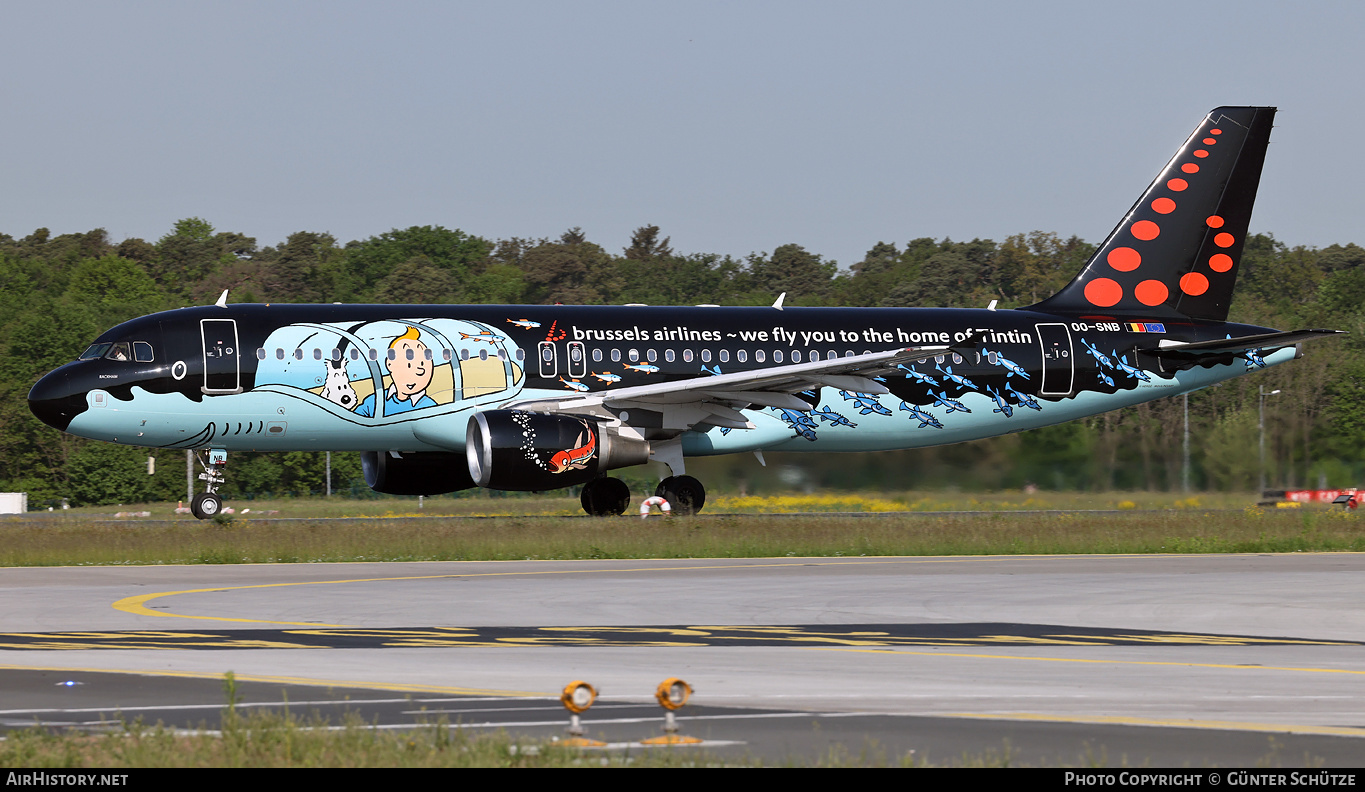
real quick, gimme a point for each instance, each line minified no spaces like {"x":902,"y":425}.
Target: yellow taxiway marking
{"x":138,"y":605}
{"x":289,"y":680}
{"x":1179,"y":723}
{"x":1094,"y":661}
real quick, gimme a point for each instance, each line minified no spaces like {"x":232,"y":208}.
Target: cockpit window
{"x":142,"y":352}
{"x":95,"y":351}
{"x":118,"y":351}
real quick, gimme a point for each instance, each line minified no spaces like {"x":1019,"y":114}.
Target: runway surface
{"x":1167,"y":660}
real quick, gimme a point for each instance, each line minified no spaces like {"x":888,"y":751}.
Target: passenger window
{"x":464,"y":354}
{"x":317,"y":353}
{"x":445,"y":355}
{"x":653,"y":357}
{"x":616,"y":356}
{"x":758,"y":355}
{"x":777,"y":356}
{"x":687,"y":355}
{"x":725,"y":356}
{"x":634,"y":356}
{"x":336,"y":354}
{"x":796,"y":356}
{"x":279,"y":353}
{"x":668,"y":356}
{"x":742,"y":356}
{"x":260,"y":353}
{"x":706,"y":356}
{"x":483,"y":354}
{"x":393,"y":354}
{"x":298,"y":353}
{"x":521,"y":355}
{"x":355,"y":354}
{"x":426,"y":354}
{"x":374,"y":354}
{"x":597,"y":356}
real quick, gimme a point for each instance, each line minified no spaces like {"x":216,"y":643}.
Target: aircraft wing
{"x":717,"y":399}
{"x":1227,"y":345}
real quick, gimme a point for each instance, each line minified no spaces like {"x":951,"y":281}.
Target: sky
{"x":734,"y":126}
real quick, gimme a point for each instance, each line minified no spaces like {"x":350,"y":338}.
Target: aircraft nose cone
{"x":52,"y":401}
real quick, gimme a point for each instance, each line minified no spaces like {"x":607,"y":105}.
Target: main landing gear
{"x":610,"y":497}
{"x":207,"y":504}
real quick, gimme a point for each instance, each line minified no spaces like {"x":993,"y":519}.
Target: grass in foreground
{"x":1184,"y":527}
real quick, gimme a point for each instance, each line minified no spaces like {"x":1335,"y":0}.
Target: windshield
{"x":95,"y":350}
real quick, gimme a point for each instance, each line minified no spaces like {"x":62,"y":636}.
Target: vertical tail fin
{"x":1176,"y":253}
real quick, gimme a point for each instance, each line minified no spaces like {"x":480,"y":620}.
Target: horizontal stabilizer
{"x":1226,"y":345}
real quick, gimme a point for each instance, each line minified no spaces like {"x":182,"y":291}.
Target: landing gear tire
{"x":206,"y":505}
{"x":605,"y":497}
{"x":685,"y":494}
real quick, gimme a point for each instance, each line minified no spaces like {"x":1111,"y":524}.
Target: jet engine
{"x":425,"y":473}
{"x":515,"y":450}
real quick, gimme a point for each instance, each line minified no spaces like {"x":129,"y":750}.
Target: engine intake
{"x":515,"y":450}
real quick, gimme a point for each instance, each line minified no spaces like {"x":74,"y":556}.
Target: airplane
{"x":436,"y":401}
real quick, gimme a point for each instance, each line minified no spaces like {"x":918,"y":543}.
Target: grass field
{"x":454,"y":529}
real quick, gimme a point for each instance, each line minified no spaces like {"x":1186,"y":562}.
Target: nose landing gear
{"x":207,"y":504}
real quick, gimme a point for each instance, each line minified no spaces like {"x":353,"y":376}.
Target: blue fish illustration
{"x":925,"y":419}
{"x":1099,"y":356}
{"x":1023,"y":399}
{"x":828,"y":414}
{"x":1004,"y":407}
{"x":1010,"y":366}
{"x":910,"y":373}
{"x":942,"y":400}
{"x":865,"y":403}
{"x":959,"y":379}
{"x":1131,"y":371}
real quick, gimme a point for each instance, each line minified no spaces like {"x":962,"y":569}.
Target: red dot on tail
{"x":1124,"y":259}
{"x":1194,"y":284}
{"x":1208,"y":141}
{"x":1163,"y":205}
{"x":1146,"y":230}
{"x":1220,"y":262}
{"x":1177,"y":185}
{"x":1151,"y":292}
{"x":1103,"y":292}
{"x":1215,"y":131}
{"x":1200,"y":153}
{"x":1223,"y":240}
{"x":1214,"y":221}
{"x":1190,"y":167}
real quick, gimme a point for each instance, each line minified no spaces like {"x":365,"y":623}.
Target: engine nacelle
{"x":425,"y":473}
{"x":515,"y":450}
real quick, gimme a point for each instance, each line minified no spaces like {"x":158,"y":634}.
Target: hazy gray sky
{"x":734,"y":126}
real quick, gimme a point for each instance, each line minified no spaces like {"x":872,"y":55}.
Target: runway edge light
{"x":577,"y":697}
{"x":672,"y":694}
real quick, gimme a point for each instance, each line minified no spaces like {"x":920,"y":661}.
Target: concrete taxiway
{"x":1221,"y":659}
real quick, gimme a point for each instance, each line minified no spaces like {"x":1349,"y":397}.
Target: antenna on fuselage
{"x":780,"y":298}
{"x":222,"y":299}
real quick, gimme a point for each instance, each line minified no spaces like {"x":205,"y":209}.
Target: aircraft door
{"x":578,"y":360}
{"x":549,"y":359}
{"x":222,"y":366}
{"x":1059,"y":360}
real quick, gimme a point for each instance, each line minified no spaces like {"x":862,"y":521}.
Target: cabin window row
{"x":447,"y":355}
{"x":706,"y":355}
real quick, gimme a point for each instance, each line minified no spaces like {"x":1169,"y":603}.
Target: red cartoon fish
{"x":576,"y":458}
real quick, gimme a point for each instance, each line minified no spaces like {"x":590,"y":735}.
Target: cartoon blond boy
{"x":410,"y":372}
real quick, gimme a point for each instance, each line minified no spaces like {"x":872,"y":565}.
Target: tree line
{"x":58,"y":292}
